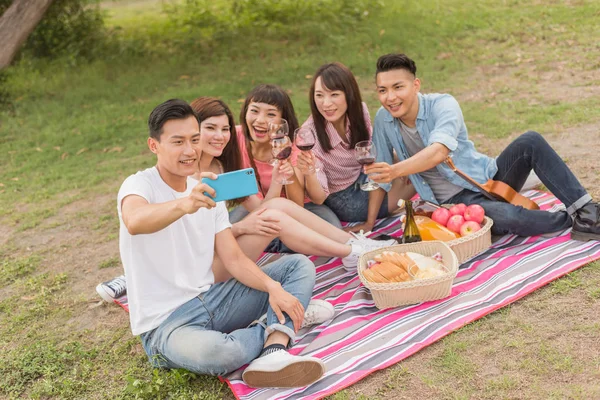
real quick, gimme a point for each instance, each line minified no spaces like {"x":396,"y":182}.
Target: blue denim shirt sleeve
{"x":448,"y":119}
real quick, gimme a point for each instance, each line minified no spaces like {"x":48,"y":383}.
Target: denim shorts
{"x":352,"y":203}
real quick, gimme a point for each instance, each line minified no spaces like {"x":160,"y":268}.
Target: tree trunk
{"x":17,"y":22}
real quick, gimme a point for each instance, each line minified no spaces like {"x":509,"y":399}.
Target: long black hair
{"x":336,"y":76}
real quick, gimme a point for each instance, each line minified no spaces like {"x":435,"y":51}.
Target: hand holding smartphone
{"x":233,"y":185}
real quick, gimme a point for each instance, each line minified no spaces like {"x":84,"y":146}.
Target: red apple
{"x":458,"y":209}
{"x":469,"y":227}
{"x":441,"y":216}
{"x":455,"y":222}
{"x":474,"y":212}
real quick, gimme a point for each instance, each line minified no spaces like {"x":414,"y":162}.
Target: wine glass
{"x":282,"y":149}
{"x":366,"y":153}
{"x":277,"y":130}
{"x":305,"y":140}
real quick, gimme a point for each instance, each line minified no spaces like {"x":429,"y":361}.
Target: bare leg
{"x":294,"y":234}
{"x":401,"y":189}
{"x":307,"y":219}
{"x":298,"y":237}
{"x":277,"y":338}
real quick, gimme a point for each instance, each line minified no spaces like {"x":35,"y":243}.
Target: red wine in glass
{"x":305,"y":139}
{"x":366,"y":160}
{"x":284,"y":154}
{"x":366,"y":153}
{"x":305,"y":147}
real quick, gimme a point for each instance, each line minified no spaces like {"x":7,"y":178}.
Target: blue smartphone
{"x":233,"y":185}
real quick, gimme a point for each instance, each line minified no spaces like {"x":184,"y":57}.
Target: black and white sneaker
{"x":113,"y":289}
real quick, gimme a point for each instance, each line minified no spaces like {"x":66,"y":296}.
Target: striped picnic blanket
{"x":362,"y":339}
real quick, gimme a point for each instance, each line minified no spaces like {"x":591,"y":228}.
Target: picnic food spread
{"x":390,"y":266}
{"x":445,"y":224}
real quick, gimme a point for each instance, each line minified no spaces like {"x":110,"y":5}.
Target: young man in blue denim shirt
{"x":424,"y":129}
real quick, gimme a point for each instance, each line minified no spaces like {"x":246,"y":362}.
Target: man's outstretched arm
{"x":141,"y":217}
{"x":424,"y":160}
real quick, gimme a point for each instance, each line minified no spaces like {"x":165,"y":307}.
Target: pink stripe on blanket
{"x":358,"y":342}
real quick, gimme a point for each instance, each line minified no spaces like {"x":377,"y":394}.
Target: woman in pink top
{"x":340,"y":120}
{"x":269,"y":104}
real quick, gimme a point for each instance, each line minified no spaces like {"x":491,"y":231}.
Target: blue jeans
{"x":352,"y":203}
{"x":276,"y":245}
{"x":530,"y":151}
{"x":210,"y":334}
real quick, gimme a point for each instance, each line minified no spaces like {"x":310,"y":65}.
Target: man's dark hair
{"x":170,"y":109}
{"x":392,"y":61}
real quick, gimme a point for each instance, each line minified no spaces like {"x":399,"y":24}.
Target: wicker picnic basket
{"x":396,"y":294}
{"x":467,"y":246}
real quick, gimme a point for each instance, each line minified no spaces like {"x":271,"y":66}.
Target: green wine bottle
{"x":411,"y":231}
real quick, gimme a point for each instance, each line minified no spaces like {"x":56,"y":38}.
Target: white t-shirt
{"x":167,"y":268}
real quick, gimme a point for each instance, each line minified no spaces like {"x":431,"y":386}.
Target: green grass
{"x":83,"y":129}
{"x":14,"y":269}
{"x":110,"y":263}
{"x":76,"y":133}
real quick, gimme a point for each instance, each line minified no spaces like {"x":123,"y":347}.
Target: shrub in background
{"x":209,"y":23}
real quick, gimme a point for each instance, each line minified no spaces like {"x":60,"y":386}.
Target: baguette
{"x":391,"y":272}
{"x":386,"y":256}
{"x":374,"y":276}
{"x":393,"y":258}
{"x":411,"y":265}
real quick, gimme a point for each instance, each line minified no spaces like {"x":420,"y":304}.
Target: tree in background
{"x":49,"y":29}
{"x":16,"y":24}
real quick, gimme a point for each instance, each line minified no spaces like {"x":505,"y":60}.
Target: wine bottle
{"x":411,"y":232}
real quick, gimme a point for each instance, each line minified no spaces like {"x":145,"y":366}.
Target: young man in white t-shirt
{"x":170,"y":232}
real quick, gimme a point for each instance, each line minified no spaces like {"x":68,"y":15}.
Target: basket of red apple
{"x":466,"y":229}
{"x":471,"y":225}
{"x":408,"y":273}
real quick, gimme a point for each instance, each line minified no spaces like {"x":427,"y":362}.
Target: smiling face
{"x":331,"y":103}
{"x":215,"y":133}
{"x":258,"y":117}
{"x":397,"y":91}
{"x":177,"y":150}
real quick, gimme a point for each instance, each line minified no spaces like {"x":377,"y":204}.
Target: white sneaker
{"x":356,"y":237}
{"x":113,"y":289}
{"x":361,"y":238}
{"x":283,"y":370}
{"x":361,"y":246}
{"x":317,"y":312}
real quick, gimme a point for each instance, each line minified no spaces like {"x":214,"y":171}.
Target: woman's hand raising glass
{"x":281,"y":150}
{"x":366,"y":154}
{"x":277,"y":130}
{"x":305,"y":140}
